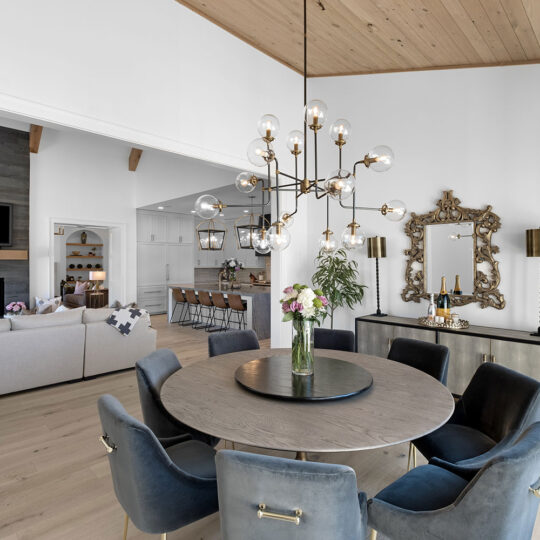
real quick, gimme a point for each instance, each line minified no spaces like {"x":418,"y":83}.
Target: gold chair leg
{"x":164,"y":536}
{"x":414,"y":455}
{"x":410,"y":458}
{"x":373,"y":535}
{"x":126,"y":523}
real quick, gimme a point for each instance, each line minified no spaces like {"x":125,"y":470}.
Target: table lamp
{"x":97,"y":276}
{"x":377,"y":250}
{"x":533,"y":250}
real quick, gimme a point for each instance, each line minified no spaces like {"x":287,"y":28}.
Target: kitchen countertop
{"x":245,"y":288}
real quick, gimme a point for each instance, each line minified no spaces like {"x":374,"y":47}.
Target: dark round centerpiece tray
{"x":332,"y":379}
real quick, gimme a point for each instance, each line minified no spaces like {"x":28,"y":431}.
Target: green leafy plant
{"x":338,"y":277}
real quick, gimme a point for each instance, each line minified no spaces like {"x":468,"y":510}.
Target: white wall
{"x":476,"y":131}
{"x":152,"y":73}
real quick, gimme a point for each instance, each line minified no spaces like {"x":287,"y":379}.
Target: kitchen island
{"x":257,"y":298}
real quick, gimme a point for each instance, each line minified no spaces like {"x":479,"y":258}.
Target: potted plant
{"x":337,"y":277}
{"x":15,"y":308}
{"x":303,"y":306}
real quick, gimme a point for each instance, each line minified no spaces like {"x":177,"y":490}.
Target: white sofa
{"x":37,"y":350}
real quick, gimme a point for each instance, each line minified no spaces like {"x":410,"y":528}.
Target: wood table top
{"x":403,"y":404}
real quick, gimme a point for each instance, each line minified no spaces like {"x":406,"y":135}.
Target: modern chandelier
{"x":339,"y":185}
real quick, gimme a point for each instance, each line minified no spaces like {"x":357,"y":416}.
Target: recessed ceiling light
{"x":193,"y":211}
{"x":221,"y":214}
{"x":161,"y":208}
{"x":246,"y":211}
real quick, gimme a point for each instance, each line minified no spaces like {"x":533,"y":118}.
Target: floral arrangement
{"x":15,"y":307}
{"x":302,"y":303}
{"x":231,"y":266}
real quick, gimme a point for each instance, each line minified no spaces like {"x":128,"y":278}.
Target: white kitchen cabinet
{"x":151,"y":261}
{"x":179,"y":268}
{"x":174,"y":228}
{"x":151,"y":227}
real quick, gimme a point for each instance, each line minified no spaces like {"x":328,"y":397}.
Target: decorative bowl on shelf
{"x":79,"y":266}
{"x":459,"y":324}
{"x":75,"y":253}
{"x":88,"y":266}
{"x":98,"y":265}
{"x":72,"y":266}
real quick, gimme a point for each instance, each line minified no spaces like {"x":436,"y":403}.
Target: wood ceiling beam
{"x":134,"y":157}
{"x":35,"y":138}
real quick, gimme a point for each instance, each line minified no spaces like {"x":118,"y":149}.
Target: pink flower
{"x":288,"y":290}
{"x":296,"y":306}
{"x":16,"y":307}
{"x":323,"y":300}
{"x":285,"y":307}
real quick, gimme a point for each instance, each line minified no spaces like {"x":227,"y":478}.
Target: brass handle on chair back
{"x":262,"y":513}
{"x":105,"y":440}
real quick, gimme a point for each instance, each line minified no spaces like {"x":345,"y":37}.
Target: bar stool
{"x":221,"y":307}
{"x":180,"y":300}
{"x":239,"y":307}
{"x":192,"y":299}
{"x":205,"y":302}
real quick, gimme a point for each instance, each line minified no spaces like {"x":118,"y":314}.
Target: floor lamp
{"x":533,"y":250}
{"x":377,"y":250}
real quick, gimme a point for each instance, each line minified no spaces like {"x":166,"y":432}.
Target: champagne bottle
{"x":443,"y":301}
{"x":457,"y":287}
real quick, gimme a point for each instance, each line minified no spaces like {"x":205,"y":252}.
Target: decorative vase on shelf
{"x":83,"y":237}
{"x":302,"y":347}
{"x":303,"y":306}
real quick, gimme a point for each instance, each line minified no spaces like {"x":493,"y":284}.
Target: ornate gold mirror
{"x":453,"y":241}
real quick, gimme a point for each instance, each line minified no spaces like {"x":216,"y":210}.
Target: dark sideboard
{"x":468,"y":348}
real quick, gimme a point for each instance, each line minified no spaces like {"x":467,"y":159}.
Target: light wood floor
{"x":54,"y":475}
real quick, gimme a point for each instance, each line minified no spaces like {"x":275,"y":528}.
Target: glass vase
{"x":302,"y":347}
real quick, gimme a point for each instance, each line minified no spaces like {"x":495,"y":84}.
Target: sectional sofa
{"x":37,"y":350}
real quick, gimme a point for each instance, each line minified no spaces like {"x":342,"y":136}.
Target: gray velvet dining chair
{"x":500,"y":502}
{"x":428,"y":357}
{"x":232,"y":341}
{"x":160,"y":489}
{"x":270,"y":498}
{"x":496,"y":407}
{"x":337,"y":340}
{"x":152,"y":371}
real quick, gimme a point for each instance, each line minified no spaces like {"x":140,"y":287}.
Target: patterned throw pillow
{"x":50,"y":305}
{"x":80,"y":287}
{"x":125,"y":319}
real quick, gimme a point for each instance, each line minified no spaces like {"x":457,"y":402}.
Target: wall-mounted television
{"x":6,"y":224}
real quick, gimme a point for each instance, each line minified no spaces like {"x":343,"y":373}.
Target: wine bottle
{"x":443,"y":301}
{"x":432,"y":310}
{"x":457,"y":287}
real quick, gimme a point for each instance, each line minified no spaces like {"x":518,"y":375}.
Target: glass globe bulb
{"x":259,"y":152}
{"x":327,"y":242}
{"x":352,"y":238}
{"x":384,"y":158}
{"x":268,"y":126}
{"x":295,"y":142}
{"x":286,"y":219}
{"x":315,"y":113}
{"x":207,"y":206}
{"x":279,"y":237}
{"x":340,"y":131}
{"x":394,"y":210}
{"x":339,"y":184}
{"x":261,"y":242}
{"x":245,"y":182}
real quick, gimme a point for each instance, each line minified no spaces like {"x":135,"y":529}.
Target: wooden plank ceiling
{"x":373,"y":36}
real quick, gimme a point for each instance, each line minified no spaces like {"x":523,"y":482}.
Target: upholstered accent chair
{"x":500,"y":502}
{"x":160,"y":490}
{"x":495,"y":409}
{"x":427,"y":357}
{"x":338,"y":340}
{"x":232,"y":341}
{"x":152,"y":372}
{"x":269,"y":498}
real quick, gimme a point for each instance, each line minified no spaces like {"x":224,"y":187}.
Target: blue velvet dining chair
{"x":431,"y":502}
{"x":428,"y":357}
{"x":152,"y":371}
{"x":160,"y":489}
{"x":232,"y":341}
{"x":338,"y":340}
{"x":270,"y":498}
{"x":495,"y":409}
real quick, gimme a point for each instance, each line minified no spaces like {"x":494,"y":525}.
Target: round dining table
{"x":403,"y":404}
